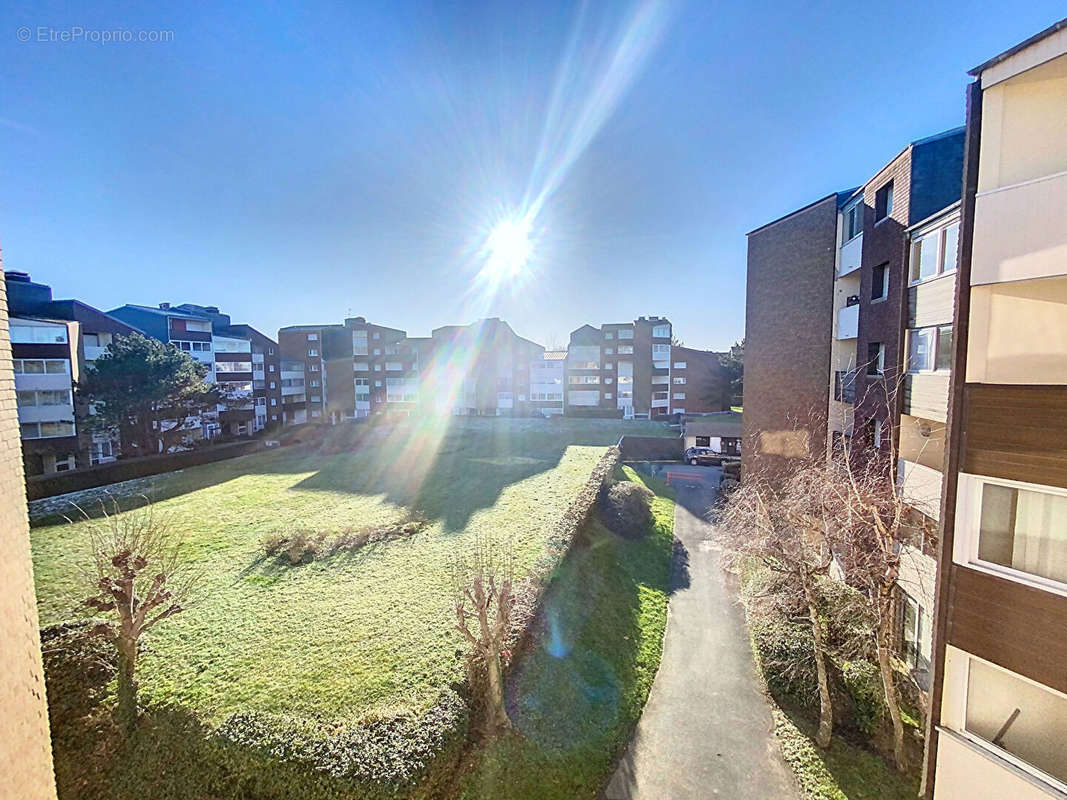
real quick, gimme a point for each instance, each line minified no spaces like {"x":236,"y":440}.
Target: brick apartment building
{"x":25,"y":747}
{"x":308,"y":343}
{"x":620,"y":369}
{"x":698,"y":383}
{"x":52,"y":343}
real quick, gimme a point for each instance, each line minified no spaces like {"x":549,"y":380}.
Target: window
{"x":46,"y":430}
{"x":38,"y":334}
{"x":376,"y":335}
{"x":393,"y":366}
{"x":626,"y":333}
{"x":609,"y":335}
{"x":377,"y":367}
{"x":270,"y":351}
{"x":43,"y":397}
{"x":1023,"y":529}
{"x":875,"y":358}
{"x":608,"y":396}
{"x":47,"y":366}
{"x":313,"y":337}
{"x":880,"y":282}
{"x":679,"y":395}
{"x":660,"y":351}
{"x":608,"y":351}
{"x":679,"y":381}
{"x":679,"y":365}
{"x":316,"y":398}
{"x":607,"y":380}
{"x":361,"y":366}
{"x":202,"y":326}
{"x":270,"y":368}
{"x":883,"y":202}
{"x":852,"y":222}
{"x":625,"y":349}
{"x":314,"y":413}
{"x":312,"y":352}
{"x":930,"y":349}
{"x":583,"y":379}
{"x":273,"y":385}
{"x":910,"y":623}
{"x":313,"y":383}
{"x":921,"y":349}
{"x":609,"y":366}
{"x":934,"y":254}
{"x":377,"y":350}
{"x":233,"y":366}
{"x":1017,"y":717}
{"x":876,"y":432}
{"x":949,"y":244}
{"x":313,"y":367}
{"x":661,"y":331}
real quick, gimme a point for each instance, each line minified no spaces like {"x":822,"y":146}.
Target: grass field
{"x":354,"y":636}
{"x":575,"y":700}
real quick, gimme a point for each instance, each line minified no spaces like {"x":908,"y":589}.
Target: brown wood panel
{"x":931,"y":303}
{"x":1016,"y":432}
{"x":1018,"y":627}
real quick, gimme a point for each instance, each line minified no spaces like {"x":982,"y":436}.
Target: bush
{"x":303,"y":546}
{"x":864,"y":687}
{"x":274,"y":542}
{"x":626,"y":509}
{"x":787,"y":657}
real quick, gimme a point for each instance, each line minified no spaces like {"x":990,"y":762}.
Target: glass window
{"x":679,"y":365}
{"x":948,"y":247}
{"x":875,"y":358}
{"x":944,"y":348}
{"x":679,"y":381}
{"x":626,"y":333}
{"x":32,"y":367}
{"x":56,"y":366}
{"x":880,"y":282}
{"x":924,"y":258}
{"x":38,"y":334}
{"x":661,"y":331}
{"x":57,"y":429}
{"x":883,"y":202}
{"x":26,"y":399}
{"x":920,"y":349}
{"x":852,"y":222}
{"x":1017,"y":716}
{"x":1024,"y":530}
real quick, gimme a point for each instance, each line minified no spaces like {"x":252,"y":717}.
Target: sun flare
{"x":508,"y":248}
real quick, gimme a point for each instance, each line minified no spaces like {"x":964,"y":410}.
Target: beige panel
{"x":1024,"y":128}
{"x":1018,"y":333}
{"x":1019,"y":232}
{"x":966,"y":773}
{"x":922,"y":441}
{"x":1026,"y":59}
{"x":930,"y":303}
{"x":25,"y":746}
{"x":926,"y":395}
{"x":788,"y":444}
{"x":920,"y":487}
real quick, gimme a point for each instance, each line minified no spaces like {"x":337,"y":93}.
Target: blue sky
{"x":302,"y":162}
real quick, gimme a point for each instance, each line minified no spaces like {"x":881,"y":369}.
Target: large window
{"x":661,"y":331}
{"x":38,"y":334}
{"x":38,"y":366}
{"x":1024,"y":530}
{"x":626,"y":333}
{"x":930,"y":349}
{"x":875,"y":358}
{"x":880,"y":282}
{"x":883,"y":202}
{"x":583,"y":379}
{"x":46,"y":430}
{"x":934,"y":253}
{"x":50,"y":397}
{"x":1019,"y":718}
{"x":233,"y":366}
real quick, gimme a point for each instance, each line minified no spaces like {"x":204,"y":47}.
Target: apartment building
{"x":385,"y":365}
{"x":698,"y":383}
{"x":307,"y":343}
{"x":479,"y":369}
{"x":789,"y":313}
{"x":293,"y":392}
{"x":620,"y":369}
{"x":998,"y":712}
{"x":52,"y":343}
{"x":546,"y":382}
{"x":871,"y":283}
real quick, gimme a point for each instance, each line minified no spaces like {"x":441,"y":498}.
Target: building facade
{"x":546,"y":383}
{"x":53,"y":341}
{"x":307,"y":344}
{"x":698,"y":383}
{"x":998,"y":712}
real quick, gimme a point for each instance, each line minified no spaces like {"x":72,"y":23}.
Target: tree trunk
{"x":826,"y":710}
{"x":497,"y":715}
{"x":127,"y":684}
{"x":885,"y":667}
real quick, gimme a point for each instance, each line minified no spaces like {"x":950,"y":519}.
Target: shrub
{"x":302,"y":546}
{"x":787,"y":657}
{"x":626,"y":509}
{"x":274,"y":542}
{"x":864,"y":686}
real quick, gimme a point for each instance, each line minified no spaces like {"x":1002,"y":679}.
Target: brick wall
{"x":25,"y":746}
{"x":788,"y":319}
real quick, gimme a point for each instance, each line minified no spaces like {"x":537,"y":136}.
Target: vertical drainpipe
{"x":954,"y":432}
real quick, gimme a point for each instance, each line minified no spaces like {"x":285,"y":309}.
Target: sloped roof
{"x":721,"y":423}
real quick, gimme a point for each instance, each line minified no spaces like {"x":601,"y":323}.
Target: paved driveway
{"x":706,"y":730}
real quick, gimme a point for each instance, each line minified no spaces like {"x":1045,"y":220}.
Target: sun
{"x":507,"y":249}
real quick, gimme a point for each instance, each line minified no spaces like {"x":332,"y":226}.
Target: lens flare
{"x":508,"y":248}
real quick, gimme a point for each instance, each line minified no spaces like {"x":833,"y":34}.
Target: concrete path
{"x":706,"y":730}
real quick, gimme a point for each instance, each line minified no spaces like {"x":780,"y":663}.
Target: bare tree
{"x":138,"y":579}
{"x":875,"y":519}
{"x":485,"y":605}
{"x":783,"y":526}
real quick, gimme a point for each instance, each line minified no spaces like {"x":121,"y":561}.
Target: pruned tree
{"x":783,"y":527}
{"x":874,"y":519}
{"x":147,"y":390}
{"x":137,"y":580}
{"x":486,"y":601}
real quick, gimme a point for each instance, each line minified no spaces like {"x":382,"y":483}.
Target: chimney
{"x":212,"y":309}
{"x":17,"y":277}
{"x":164,"y":306}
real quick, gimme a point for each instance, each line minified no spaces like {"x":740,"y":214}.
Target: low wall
{"x":41,"y":486}
{"x":652,"y":448}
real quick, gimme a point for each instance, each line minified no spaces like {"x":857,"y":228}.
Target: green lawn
{"x":361,"y":635}
{"x":574,"y":701}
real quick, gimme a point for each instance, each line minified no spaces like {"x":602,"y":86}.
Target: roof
{"x":163,"y":312}
{"x":840,"y":198}
{"x":721,"y":423}
{"x":555,"y":355}
{"x":1037,"y":37}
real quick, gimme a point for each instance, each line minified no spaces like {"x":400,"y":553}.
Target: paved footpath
{"x":706,"y":731}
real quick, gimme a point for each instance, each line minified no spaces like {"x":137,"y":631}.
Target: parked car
{"x":703,"y":456}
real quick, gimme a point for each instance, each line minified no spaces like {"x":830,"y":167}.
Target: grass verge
{"x":575,"y":697}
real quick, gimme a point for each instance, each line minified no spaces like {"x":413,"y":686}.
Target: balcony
{"x":849,"y":261}
{"x":1019,"y":232}
{"x":848,"y":322}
